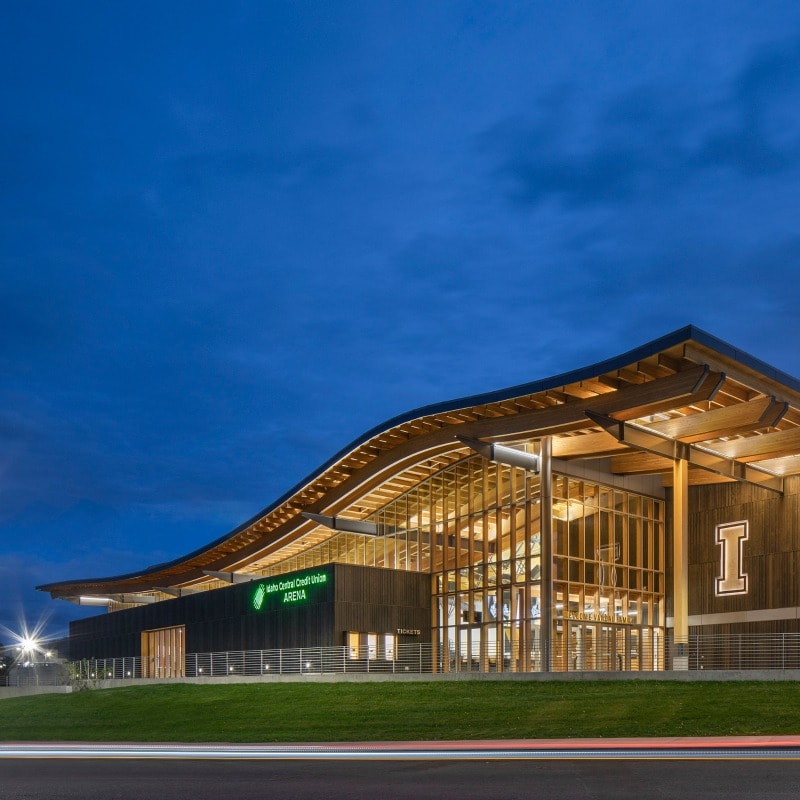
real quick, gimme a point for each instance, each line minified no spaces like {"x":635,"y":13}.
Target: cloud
{"x":652,"y":140}
{"x":309,"y":164}
{"x":764,"y":135}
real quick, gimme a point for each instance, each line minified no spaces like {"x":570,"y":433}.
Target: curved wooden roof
{"x":687,"y":393}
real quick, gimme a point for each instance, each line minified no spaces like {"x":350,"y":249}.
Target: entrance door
{"x":623,"y":651}
{"x":635,"y":650}
{"x":607,"y":648}
{"x":582,"y":647}
{"x":163,"y":652}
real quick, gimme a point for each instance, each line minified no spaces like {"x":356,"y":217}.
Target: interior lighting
{"x":566,"y":510}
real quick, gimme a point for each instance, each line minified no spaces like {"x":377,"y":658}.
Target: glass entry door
{"x":603,"y":647}
{"x":582,"y":646}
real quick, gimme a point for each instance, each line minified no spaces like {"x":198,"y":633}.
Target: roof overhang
{"x":685,"y":394}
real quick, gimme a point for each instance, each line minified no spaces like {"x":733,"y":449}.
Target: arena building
{"x":603,"y":519}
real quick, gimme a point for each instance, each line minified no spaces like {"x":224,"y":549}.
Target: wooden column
{"x":680,"y":563}
{"x":546,"y":524}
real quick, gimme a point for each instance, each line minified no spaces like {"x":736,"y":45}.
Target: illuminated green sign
{"x":288,"y":589}
{"x":258,"y":597}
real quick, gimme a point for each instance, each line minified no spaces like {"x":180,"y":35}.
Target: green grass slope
{"x":295,"y":712}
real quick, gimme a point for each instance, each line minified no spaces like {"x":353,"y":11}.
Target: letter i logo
{"x":731,"y":537}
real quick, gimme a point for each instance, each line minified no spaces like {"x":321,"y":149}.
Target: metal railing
{"x":765,"y":651}
{"x":407,"y":658}
{"x":106,"y":668}
{"x":742,"y":651}
{"x":35,"y":674}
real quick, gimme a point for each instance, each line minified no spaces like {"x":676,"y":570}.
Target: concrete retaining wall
{"x":21,"y":691}
{"x":684,"y":676}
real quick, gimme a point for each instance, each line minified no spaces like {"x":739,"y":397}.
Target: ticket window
{"x":371,"y":646}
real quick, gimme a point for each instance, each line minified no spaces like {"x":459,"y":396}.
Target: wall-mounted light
{"x":88,"y":600}
{"x":501,"y":454}
{"x":230,"y":577}
{"x":343,"y":523}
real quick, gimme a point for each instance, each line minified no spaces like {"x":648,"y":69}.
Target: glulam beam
{"x":661,"y":446}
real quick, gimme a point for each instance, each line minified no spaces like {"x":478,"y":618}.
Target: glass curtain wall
{"x":608,"y":578}
{"x":476,"y":527}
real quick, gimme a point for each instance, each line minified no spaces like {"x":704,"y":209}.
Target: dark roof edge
{"x":687,"y":333}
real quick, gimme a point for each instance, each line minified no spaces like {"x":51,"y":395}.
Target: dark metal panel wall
{"x":218,"y":620}
{"x":353,"y":598}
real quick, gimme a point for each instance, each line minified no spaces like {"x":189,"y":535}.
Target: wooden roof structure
{"x":686,"y":395}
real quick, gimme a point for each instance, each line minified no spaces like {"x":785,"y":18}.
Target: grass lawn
{"x":296,"y":712}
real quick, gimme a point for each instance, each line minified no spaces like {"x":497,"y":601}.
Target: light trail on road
{"x":746,"y":748}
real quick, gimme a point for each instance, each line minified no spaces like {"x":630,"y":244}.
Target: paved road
{"x":447,"y":771}
{"x":55,"y":779}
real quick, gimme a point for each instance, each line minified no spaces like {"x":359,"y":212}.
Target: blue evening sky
{"x":236,"y":235}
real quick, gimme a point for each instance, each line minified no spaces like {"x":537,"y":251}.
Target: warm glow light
{"x":27,"y":642}
{"x":568,"y":509}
